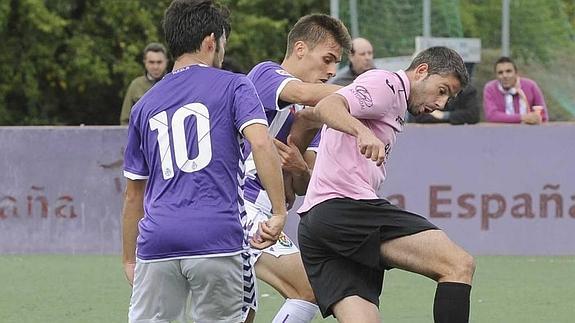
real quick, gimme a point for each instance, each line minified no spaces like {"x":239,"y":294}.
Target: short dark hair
{"x":155,"y":47}
{"x":316,"y":28}
{"x":442,"y":61}
{"x":505,"y":59}
{"x":188,"y":22}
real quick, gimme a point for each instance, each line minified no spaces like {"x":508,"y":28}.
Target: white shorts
{"x":261,"y":211}
{"x":207,"y":289}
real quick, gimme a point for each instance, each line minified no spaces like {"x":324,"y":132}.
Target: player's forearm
{"x":133,"y":212}
{"x":130,"y":233}
{"x":268,"y":167}
{"x":301,"y":181}
{"x":307,"y":93}
{"x":334,"y":112}
{"x":304,"y":128}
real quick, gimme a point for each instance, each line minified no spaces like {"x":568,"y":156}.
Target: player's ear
{"x":421,"y":71}
{"x":300,"y":48}
{"x":209,"y":42}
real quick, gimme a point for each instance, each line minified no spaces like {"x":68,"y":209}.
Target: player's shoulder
{"x":268,"y":68}
{"x":383,"y":81}
{"x":222,"y":78}
{"x":376,"y":76}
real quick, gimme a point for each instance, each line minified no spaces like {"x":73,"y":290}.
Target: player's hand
{"x":269,"y":231}
{"x":371,"y":147}
{"x":129,"y":268}
{"x":292,"y":160}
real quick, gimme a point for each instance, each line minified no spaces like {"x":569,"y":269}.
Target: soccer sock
{"x":296,"y":311}
{"x":451,"y":303}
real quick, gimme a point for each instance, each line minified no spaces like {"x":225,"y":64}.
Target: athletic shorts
{"x":261,"y":211}
{"x":340,"y":242}
{"x":207,"y":289}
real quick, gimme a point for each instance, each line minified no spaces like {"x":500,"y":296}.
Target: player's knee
{"x":304,"y":293}
{"x":307,"y":295}
{"x":463,"y":268}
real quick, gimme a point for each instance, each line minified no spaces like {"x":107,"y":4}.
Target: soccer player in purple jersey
{"x":315,"y":44}
{"x":349,"y":236}
{"x":182,"y":219}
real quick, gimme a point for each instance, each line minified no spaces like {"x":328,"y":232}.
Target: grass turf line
{"x":62,"y":288}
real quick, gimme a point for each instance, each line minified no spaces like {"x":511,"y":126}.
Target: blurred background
{"x":70,"y":62}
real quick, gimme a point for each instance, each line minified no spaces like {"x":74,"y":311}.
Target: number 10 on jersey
{"x":160,"y":123}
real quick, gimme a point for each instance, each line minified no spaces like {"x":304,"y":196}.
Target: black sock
{"x":451,"y":304}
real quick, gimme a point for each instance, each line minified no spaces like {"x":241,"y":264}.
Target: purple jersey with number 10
{"x":185,"y":138}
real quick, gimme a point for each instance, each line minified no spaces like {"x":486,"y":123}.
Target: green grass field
{"x":50,"y":288}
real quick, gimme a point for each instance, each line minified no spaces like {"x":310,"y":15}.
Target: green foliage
{"x":538,"y":28}
{"x":69,"y":62}
{"x":391,"y":26}
{"x":260,"y":28}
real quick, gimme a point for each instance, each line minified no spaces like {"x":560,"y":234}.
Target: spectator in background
{"x":360,"y":60}
{"x":155,"y":63}
{"x":511,"y":99}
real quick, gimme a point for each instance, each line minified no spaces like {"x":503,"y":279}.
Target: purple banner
{"x":495,"y":189}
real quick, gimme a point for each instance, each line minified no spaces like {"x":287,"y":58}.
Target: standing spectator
{"x":360,"y":60}
{"x":511,"y":99}
{"x":155,"y":63}
{"x":183,"y":208}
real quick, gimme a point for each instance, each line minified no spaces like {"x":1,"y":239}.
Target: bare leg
{"x":287,"y":275}
{"x":430,"y":253}
{"x":356,"y":309}
{"x":251,"y":316}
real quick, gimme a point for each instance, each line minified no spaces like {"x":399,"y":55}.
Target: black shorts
{"x":340,"y":242}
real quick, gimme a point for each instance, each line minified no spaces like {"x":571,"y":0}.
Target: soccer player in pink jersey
{"x":348,"y":235}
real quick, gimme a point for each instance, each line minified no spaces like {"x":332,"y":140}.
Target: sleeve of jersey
{"x":135,"y":166}
{"x":247,"y":106}
{"x":367,"y":96}
{"x":313,"y":146}
{"x":269,"y":80}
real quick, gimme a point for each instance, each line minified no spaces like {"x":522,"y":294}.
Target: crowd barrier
{"x":495,"y":189}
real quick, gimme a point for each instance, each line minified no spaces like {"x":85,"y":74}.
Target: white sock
{"x":296,"y":311}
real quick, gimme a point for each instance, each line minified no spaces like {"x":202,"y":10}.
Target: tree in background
{"x":260,"y":27}
{"x":70,"y":62}
{"x":538,"y":28}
